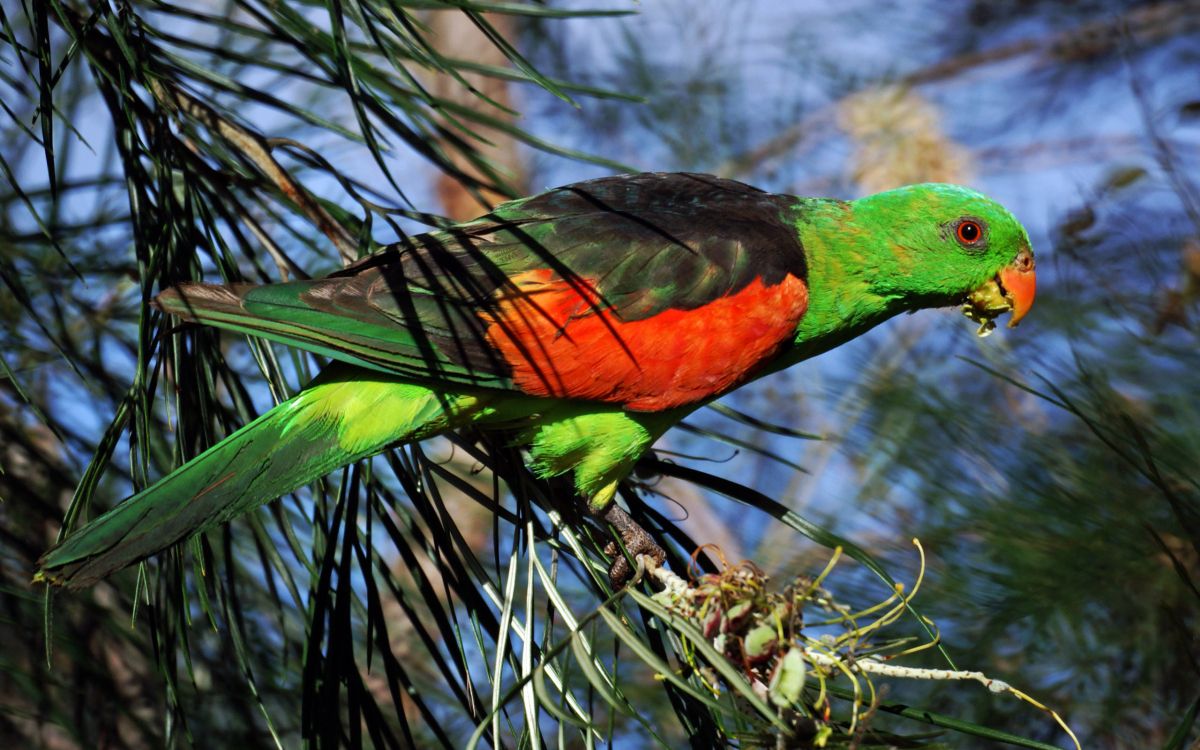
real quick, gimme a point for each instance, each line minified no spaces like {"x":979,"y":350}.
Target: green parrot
{"x":588,"y":319}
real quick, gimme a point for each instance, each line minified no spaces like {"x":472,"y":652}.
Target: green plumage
{"x":446,"y":329}
{"x":343,"y":416}
{"x":642,"y":243}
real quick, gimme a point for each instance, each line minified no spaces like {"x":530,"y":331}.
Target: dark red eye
{"x":969,"y":232}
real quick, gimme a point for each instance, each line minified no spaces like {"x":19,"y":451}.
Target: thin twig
{"x":1163,"y":152}
{"x":254,"y":147}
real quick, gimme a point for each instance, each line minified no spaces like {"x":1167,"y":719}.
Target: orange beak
{"x":1020,"y":285}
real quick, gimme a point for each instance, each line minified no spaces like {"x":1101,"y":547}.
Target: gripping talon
{"x":636,"y":542}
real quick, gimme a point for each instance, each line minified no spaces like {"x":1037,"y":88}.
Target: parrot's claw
{"x":635,"y":541}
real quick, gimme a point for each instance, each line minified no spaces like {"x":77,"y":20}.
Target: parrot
{"x":586,"y":320}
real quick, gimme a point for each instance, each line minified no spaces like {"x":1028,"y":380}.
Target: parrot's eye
{"x":969,"y":232}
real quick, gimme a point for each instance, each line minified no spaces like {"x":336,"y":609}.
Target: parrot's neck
{"x":845,"y":259}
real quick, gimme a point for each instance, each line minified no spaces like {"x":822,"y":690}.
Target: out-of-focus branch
{"x":1183,"y":187}
{"x":1142,"y":25}
{"x":1093,"y":149}
{"x":457,"y":34}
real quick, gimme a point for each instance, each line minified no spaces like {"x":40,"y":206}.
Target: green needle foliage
{"x":148,"y":143}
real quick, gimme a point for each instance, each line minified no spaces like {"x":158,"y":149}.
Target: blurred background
{"x":1050,"y":471}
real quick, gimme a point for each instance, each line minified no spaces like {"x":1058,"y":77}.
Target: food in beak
{"x":1010,"y":290}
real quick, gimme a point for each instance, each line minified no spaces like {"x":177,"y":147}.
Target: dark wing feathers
{"x":644,"y":243}
{"x":681,"y":240}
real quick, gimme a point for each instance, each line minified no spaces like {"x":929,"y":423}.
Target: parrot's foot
{"x":635,"y":541}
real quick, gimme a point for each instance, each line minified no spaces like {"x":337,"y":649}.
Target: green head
{"x":939,"y":242}
{"x":929,"y":245}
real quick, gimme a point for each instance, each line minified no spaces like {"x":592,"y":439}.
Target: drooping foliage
{"x":432,"y":595}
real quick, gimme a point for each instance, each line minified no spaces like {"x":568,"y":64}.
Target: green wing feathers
{"x":355,"y":319}
{"x":438,"y":308}
{"x":346,"y":415}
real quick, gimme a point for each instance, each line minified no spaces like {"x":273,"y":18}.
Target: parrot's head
{"x":947,"y":245}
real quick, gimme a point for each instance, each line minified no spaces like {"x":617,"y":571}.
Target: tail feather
{"x":349,"y":415}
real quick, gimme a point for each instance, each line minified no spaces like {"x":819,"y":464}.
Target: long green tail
{"x":347,"y":414}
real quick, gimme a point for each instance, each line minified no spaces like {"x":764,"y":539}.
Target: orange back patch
{"x":560,"y":341}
